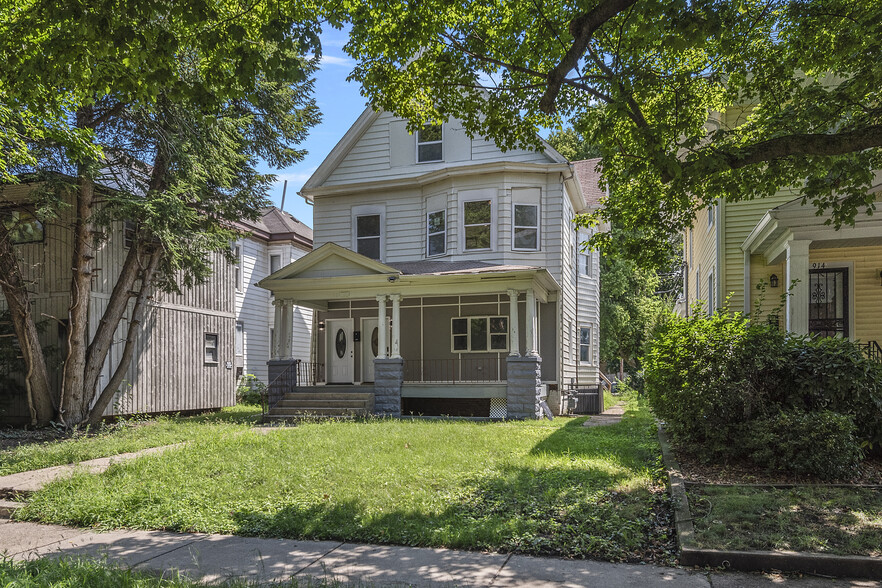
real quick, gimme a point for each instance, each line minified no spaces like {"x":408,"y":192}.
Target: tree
{"x":199,"y":91}
{"x":688,"y":101}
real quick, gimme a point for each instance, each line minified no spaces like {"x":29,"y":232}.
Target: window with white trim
{"x":477,"y":219}
{"x":211,"y":348}
{"x":711,"y":215}
{"x":240,"y":339}
{"x":479,"y":333}
{"x":429,"y":144}
{"x":711,"y":301}
{"x":129,"y":231}
{"x":237,"y":267}
{"x":525,"y":228}
{"x":436,"y":233}
{"x":275,"y":263}
{"x":368,"y":231}
{"x":585,"y":344}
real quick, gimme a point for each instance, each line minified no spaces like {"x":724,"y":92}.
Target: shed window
{"x":478,"y":217}
{"x":526,"y":227}
{"x":429,"y":144}
{"x":130,"y":229}
{"x":436,"y":233}
{"x":23,"y":227}
{"x":368,"y":235}
{"x":211,"y":350}
{"x":479,"y":333}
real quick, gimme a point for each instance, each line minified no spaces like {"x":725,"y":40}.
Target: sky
{"x":340,"y":104}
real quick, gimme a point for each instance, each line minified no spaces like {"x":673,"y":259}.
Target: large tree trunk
{"x":129,"y":349}
{"x":75,"y":399}
{"x":14,"y":288}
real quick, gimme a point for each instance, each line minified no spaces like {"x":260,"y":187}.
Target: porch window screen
{"x":585,"y":344}
{"x":368,"y":235}
{"x":436,"y":233}
{"x":477,"y":224}
{"x":526,"y":227}
{"x":429,"y":144}
{"x":479,"y":333}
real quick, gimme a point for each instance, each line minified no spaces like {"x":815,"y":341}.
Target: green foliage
{"x":713,"y":380}
{"x":820,"y":443}
{"x":797,"y":83}
{"x":534,"y":486}
{"x":250,"y":390}
{"x":572,"y":145}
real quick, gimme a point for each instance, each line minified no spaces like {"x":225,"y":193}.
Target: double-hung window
{"x":275,"y":263}
{"x":367,"y":230}
{"x":526,"y":227}
{"x":436,"y":233}
{"x":585,"y":344}
{"x":478,"y":218}
{"x":429,"y":144}
{"x":237,"y":267}
{"x":211,"y":348}
{"x":479,"y":333}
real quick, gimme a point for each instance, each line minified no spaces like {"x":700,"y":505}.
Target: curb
{"x":849,"y":566}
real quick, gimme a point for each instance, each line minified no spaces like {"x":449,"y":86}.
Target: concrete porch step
{"x":337,"y":396}
{"x":318,"y":409}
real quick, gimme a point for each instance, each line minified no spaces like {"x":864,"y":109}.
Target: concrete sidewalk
{"x":216,"y":557}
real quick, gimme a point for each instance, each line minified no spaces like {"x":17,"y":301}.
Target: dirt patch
{"x":695,"y":470}
{"x":11,"y":438}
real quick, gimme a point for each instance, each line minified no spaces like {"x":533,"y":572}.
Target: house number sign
{"x":819,"y":266}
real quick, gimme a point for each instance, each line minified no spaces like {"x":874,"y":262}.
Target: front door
{"x":370,"y":346}
{"x":340,"y":351}
{"x":828,"y":302}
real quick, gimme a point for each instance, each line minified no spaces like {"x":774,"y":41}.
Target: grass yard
{"x":128,"y":435}
{"x":534,"y":487}
{"x":75,"y":573}
{"x":841,"y":521}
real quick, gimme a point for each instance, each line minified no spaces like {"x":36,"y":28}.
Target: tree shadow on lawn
{"x":542,"y":511}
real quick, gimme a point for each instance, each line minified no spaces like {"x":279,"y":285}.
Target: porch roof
{"x":336,"y":273}
{"x":793,"y":221}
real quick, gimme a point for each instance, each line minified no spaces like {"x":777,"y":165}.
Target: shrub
{"x":820,"y":443}
{"x":250,"y":390}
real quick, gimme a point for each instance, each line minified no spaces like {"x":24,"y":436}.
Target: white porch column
{"x":798,"y":301}
{"x":531,"y":324}
{"x":287,"y":334}
{"x":381,"y":331}
{"x":396,"y":325}
{"x":275,"y":352}
{"x":514,"y":336}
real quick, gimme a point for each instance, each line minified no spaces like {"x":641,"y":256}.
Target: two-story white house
{"x":269,"y":244}
{"x":447,"y":275}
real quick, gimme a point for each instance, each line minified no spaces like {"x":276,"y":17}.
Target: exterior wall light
{"x":773,"y":281}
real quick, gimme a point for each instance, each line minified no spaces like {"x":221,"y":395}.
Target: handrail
{"x":872,"y":350}
{"x":605,"y":380}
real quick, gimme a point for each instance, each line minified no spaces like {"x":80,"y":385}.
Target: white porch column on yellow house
{"x":798,"y":301}
{"x":276,"y":352}
{"x":514,"y":339}
{"x":286,"y":332}
{"x":531,"y":350}
{"x":381,"y":322}
{"x":396,"y":325}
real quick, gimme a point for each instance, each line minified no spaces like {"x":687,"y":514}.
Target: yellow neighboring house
{"x":834,"y":277}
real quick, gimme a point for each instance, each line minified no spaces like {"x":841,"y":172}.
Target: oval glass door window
{"x":340,"y":342}
{"x":375,"y":341}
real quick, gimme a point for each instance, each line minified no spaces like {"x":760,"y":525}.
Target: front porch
{"x":464,"y":342}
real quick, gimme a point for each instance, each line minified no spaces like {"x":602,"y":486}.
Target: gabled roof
{"x":356,"y":131}
{"x":588,"y":176}
{"x":331,"y":260}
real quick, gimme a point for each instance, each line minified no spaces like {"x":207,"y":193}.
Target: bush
{"x":250,"y":390}
{"x":820,"y":443}
{"x":711,"y":379}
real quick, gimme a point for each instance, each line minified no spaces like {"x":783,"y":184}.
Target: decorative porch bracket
{"x":524,"y":387}
{"x":388,"y":376}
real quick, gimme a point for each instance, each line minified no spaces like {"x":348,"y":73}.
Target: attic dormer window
{"x":429,"y":146}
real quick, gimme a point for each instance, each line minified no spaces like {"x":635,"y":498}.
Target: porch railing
{"x":298,"y":373}
{"x":455,"y":370}
{"x":872,"y":350}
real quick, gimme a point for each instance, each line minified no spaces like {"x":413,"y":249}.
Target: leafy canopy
{"x":688,"y":101}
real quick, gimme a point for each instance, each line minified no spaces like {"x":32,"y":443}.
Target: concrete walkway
{"x":610,"y":416}
{"x":217,"y":557}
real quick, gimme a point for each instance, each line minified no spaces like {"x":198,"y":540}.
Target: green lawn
{"x":840,"y":521}
{"x":77,"y":573}
{"x":130,"y":435}
{"x":535,"y":487}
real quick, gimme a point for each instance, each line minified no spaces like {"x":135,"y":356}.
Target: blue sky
{"x":341,"y":104}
